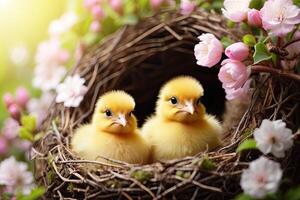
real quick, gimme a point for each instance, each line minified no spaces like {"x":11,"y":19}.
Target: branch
{"x":278,"y":72}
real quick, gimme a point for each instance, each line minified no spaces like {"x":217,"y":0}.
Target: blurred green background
{"x":23,"y":24}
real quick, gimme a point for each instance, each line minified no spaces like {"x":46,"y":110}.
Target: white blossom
{"x":15,"y":176}
{"x":273,"y":137}
{"x":71,"y":91}
{"x":47,"y":78}
{"x":262,"y":177}
{"x":63,"y":24}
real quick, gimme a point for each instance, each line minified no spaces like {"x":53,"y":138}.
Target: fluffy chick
{"x":180,"y":126}
{"x":113,"y":132}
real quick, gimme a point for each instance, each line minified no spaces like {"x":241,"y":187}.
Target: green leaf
{"x":243,"y":197}
{"x":226,"y":41}
{"x":25,"y":134}
{"x":297,"y":2}
{"x":208,"y":164}
{"x":257,"y":4}
{"x":261,"y":53}
{"x":293,"y":194}
{"x":249,"y":40}
{"x":29,"y":122}
{"x":246,"y":145}
{"x":35,"y":194}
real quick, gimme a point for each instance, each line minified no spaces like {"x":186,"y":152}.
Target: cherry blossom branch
{"x":260,"y":68}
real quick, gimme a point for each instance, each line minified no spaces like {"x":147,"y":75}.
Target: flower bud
{"x":14,"y":111}
{"x":237,"y":51}
{"x":22,"y":97}
{"x":254,"y":18}
{"x":8,"y":99}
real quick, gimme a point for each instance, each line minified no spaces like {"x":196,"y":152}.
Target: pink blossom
{"x":8,"y":99}
{"x":95,"y":27}
{"x":280,"y":16}
{"x":10,"y":129}
{"x":97,"y":13}
{"x":22,"y":96}
{"x":209,"y":51}
{"x":241,"y":93}
{"x":3,"y":146}
{"x":236,"y":10}
{"x":254,"y":18}
{"x":15,"y":176}
{"x":14,"y":111}
{"x":155,"y":4}
{"x":187,"y":7}
{"x":233,"y":74}
{"x":50,"y":53}
{"x":237,"y":51}
{"x":116,"y":5}
{"x":91,"y":3}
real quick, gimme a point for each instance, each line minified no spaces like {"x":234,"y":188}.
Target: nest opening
{"x":152,"y":73}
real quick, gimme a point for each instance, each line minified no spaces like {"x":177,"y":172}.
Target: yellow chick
{"x":113,"y":132}
{"x":180,"y":126}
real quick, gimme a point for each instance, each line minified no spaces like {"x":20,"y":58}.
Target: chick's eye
{"x":108,"y":113}
{"x":173,"y":100}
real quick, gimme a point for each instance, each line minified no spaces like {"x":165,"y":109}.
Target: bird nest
{"x":139,"y":59}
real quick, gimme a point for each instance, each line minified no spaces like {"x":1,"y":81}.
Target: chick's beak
{"x":121,"y":120}
{"x":189,"y":107}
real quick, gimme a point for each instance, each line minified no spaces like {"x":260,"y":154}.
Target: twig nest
{"x":139,"y":59}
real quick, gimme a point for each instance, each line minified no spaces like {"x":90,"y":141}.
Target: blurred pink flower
{"x":236,"y":10}
{"x":48,"y":77}
{"x":50,"y":53}
{"x":280,"y":16}
{"x":95,"y":27}
{"x":10,"y":129}
{"x":241,"y":93}
{"x":97,"y":13}
{"x":3,"y":145}
{"x":15,"y":111}
{"x":187,"y":7}
{"x":22,"y":96}
{"x":89,"y":4}
{"x":15,"y":176}
{"x":209,"y":51}
{"x":254,"y":18}
{"x":8,"y":99}
{"x":39,"y":107}
{"x":237,"y":51}
{"x":63,"y":24}
{"x":71,"y":91}
{"x":23,"y":145}
{"x":116,"y":5}
{"x":233,"y":74}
